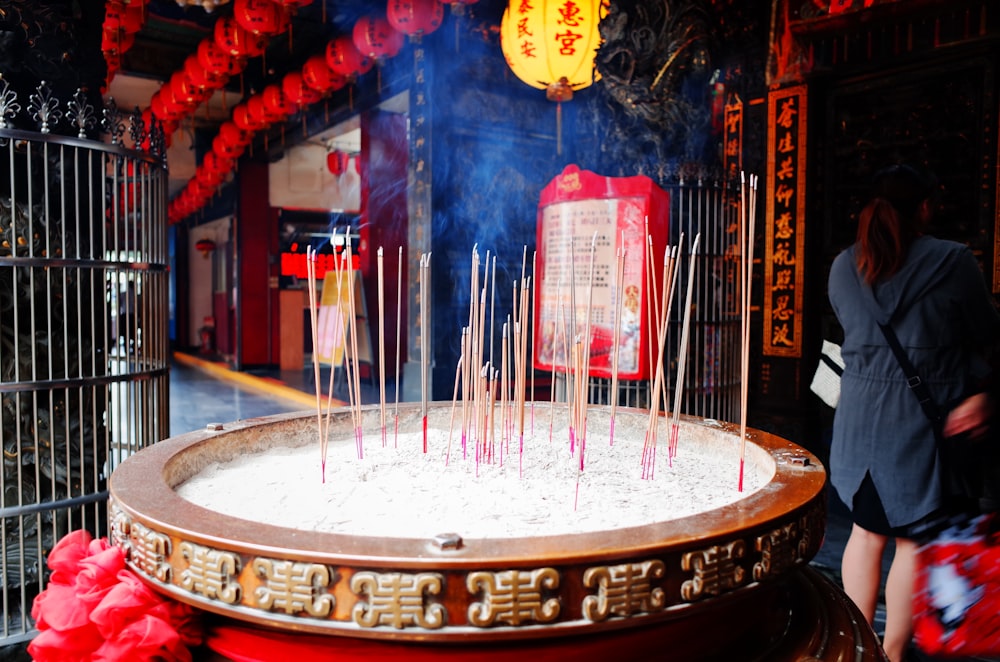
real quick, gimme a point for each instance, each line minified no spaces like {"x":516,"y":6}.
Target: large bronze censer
{"x":729,"y":583}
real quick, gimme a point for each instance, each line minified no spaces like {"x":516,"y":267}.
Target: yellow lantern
{"x":551,"y":44}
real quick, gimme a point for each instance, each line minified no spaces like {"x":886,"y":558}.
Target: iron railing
{"x":84,"y":360}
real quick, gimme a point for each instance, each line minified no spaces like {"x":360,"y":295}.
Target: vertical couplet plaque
{"x":581,"y":214}
{"x":785,"y":230}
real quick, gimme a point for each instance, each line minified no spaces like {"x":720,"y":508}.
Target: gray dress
{"x":945,"y":320}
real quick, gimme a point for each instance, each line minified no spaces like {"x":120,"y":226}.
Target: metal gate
{"x":83,"y":338}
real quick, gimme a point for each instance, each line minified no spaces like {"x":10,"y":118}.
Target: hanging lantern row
{"x":372,"y":40}
{"x":122,"y":20}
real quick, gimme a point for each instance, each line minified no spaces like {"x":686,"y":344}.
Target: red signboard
{"x":294,"y":264}
{"x":584,"y":220}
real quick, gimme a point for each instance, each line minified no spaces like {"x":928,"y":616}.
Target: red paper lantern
{"x":234,"y":135}
{"x":336,"y":162}
{"x":169,"y":128}
{"x":375,"y":38}
{"x":116,"y":41}
{"x":297,"y":92}
{"x":204,"y":246}
{"x":232,"y":38}
{"x":200,"y":77}
{"x":172,"y":98}
{"x":256,"y":115}
{"x":320,"y":77}
{"x":165,"y":106}
{"x":214,"y":163}
{"x":261,"y":17}
{"x":216,"y":61}
{"x":125,"y":17}
{"x":275,"y":106}
{"x":185,"y":90}
{"x":243,"y":121}
{"x":225,"y":149}
{"x":344,"y":58}
{"x":415,"y":17}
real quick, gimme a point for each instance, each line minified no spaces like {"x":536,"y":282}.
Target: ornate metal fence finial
{"x":8,"y":103}
{"x":80,"y":113}
{"x":44,"y":108}
{"x":158,"y":140}
{"x":137,"y":128}
{"x":113,"y":124}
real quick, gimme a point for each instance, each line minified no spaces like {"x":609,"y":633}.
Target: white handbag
{"x":826,"y":381}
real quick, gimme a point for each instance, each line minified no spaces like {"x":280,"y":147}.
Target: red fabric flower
{"x":94,"y":608}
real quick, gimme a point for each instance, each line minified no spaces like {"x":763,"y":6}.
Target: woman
{"x":883,"y":460}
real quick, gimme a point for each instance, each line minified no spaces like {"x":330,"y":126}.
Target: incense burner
{"x":729,"y":583}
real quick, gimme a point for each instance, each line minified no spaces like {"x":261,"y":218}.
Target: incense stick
{"x":670,"y":266}
{"x":425,"y":271}
{"x":534,"y":332}
{"x":620,"y":286}
{"x":683,"y":352}
{"x":381,"y":341}
{"x":747,"y":249}
{"x":399,"y":322}
{"x":311,"y":288}
{"x":454,"y":402}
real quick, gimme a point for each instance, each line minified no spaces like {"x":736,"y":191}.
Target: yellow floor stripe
{"x":268,"y":386}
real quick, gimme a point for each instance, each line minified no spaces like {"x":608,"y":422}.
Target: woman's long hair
{"x":890,"y":222}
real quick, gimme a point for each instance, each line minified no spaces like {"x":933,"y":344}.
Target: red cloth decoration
{"x":94,"y":608}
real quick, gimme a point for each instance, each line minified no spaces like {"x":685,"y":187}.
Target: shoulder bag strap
{"x":917,"y":385}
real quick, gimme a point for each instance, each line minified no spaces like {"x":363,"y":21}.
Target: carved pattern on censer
{"x":623,"y":590}
{"x":397,"y":599}
{"x":118,"y":528}
{"x":716,"y":570}
{"x":778,"y":551}
{"x":211,"y":573}
{"x":150,"y":551}
{"x":293,"y":587}
{"x":513,"y":597}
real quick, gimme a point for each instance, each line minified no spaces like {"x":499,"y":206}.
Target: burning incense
{"x":555,"y":352}
{"x":582,"y":429}
{"x":425,"y":273}
{"x":381,"y":341}
{"x":619,"y":285}
{"x":683,"y":352}
{"x":493,"y":296}
{"x":454,"y":403}
{"x":534,"y":330}
{"x":352,"y":319}
{"x":670,"y":266}
{"x":399,"y":318}
{"x":313,"y":318}
{"x":748,"y":207}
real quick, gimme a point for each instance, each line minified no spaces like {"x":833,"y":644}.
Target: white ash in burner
{"x":399,"y":491}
